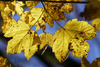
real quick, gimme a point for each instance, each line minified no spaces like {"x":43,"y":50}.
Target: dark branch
{"x":63,"y":1}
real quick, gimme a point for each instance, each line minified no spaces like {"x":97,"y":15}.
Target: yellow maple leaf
{"x":34,"y":17}
{"x":79,"y":47}
{"x":25,"y":17}
{"x":85,"y":30}
{"x":46,"y":39}
{"x":7,"y":7}
{"x":23,"y":39}
{"x":60,"y":46}
{"x":2,"y":6}
{"x":55,"y":13}
{"x":18,"y":6}
{"x":73,"y":37}
{"x":31,"y":4}
{"x":8,"y":21}
{"x":96,"y":24}
{"x":67,"y":8}
{"x":37,"y":14}
{"x":51,"y":4}
{"x":85,"y":63}
{"x":79,"y":31}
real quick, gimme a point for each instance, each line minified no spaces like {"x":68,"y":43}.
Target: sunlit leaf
{"x":96,"y":23}
{"x":46,"y":39}
{"x":23,"y":39}
{"x":72,"y":37}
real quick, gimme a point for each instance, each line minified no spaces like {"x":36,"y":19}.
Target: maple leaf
{"x":72,"y":37}
{"x":51,"y":4}
{"x":79,"y":47}
{"x":8,"y":21}
{"x":85,"y":30}
{"x":79,"y":31}
{"x":55,"y":14}
{"x":31,"y":4}
{"x":2,"y":6}
{"x":7,"y":9}
{"x":23,"y":39}
{"x":37,"y":14}
{"x":26,"y":17}
{"x":85,"y":63}
{"x":18,"y":6}
{"x":60,"y":46}
{"x":55,"y":11}
{"x":67,"y":8}
{"x":96,"y":24}
{"x":46,"y":39}
{"x":34,"y":17}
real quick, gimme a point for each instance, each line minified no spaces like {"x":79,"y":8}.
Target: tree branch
{"x":84,"y":2}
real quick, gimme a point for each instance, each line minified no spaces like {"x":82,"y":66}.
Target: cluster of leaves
{"x":95,"y":63}
{"x":70,"y":38}
{"x":4,"y":62}
{"x":92,"y":10}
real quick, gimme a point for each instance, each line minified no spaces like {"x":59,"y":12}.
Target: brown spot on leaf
{"x":43,"y":18}
{"x":94,"y":25}
{"x":69,"y":45}
{"x":71,"y":49}
{"x":74,"y":51}
{"x":77,"y":38}
{"x":54,"y":8}
{"x":81,"y":32}
{"x":30,"y":32}
{"x":22,"y":47}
